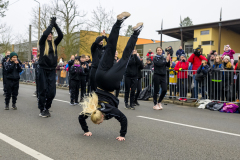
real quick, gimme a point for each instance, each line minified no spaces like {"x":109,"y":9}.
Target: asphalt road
{"x":166,"y":136}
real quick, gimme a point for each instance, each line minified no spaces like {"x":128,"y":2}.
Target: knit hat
{"x":184,"y":56}
{"x":226,"y":57}
{"x":13,"y":54}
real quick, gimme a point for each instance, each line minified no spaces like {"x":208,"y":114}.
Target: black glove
{"x":53,"y":21}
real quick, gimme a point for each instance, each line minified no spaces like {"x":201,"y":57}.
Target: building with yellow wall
{"x":88,"y":37}
{"x":207,"y":36}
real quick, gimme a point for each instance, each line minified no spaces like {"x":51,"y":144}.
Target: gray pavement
{"x":61,"y":138}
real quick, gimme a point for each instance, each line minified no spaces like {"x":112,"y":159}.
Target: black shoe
{"x":45,"y":114}
{"x":7,"y":107}
{"x":72,"y":103}
{"x":136,"y":103}
{"x":127,"y":106}
{"x":14,"y":107}
{"x":132,"y":107}
{"x":76,"y":103}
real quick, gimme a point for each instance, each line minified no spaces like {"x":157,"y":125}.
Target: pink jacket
{"x":230,"y":54}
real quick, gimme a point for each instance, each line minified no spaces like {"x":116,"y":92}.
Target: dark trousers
{"x":92,"y":77}
{"x":117,"y":93}
{"x":216,"y":91}
{"x":47,"y":88}
{"x":183,"y":84}
{"x":83,"y":83}
{"x":69,"y":83}
{"x":108,"y":76}
{"x":139,"y":88}
{"x":159,"y":80}
{"x":130,"y":83}
{"x":4,"y":83}
{"x":36,"y":81}
{"x":173,"y":88}
{"x":12,"y":87}
{"x":74,"y":90}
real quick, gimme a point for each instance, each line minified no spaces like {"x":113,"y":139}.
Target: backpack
{"x":145,"y":94}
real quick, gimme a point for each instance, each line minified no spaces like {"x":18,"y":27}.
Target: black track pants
{"x":83,"y":83}
{"x":108,"y":76}
{"x":139,"y":88}
{"x":12,"y":87}
{"x":92,"y":77}
{"x":159,"y":80}
{"x":130,"y":83}
{"x":74,"y":90}
{"x":46,"y":87}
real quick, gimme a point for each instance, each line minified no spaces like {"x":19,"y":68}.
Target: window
{"x":188,"y":48}
{"x":205,"y":32}
{"x":195,"y":40}
{"x":204,"y":43}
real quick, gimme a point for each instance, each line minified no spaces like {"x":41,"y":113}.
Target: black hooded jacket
{"x":50,"y":61}
{"x":132,"y":67}
{"x":97,"y":51}
{"x":12,"y":69}
{"x":4,"y":62}
{"x":160,"y":65}
{"x":85,"y":71}
{"x":109,"y":109}
{"x":75,"y":72}
{"x":140,"y":67}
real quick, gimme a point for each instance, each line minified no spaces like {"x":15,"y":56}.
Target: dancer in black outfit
{"x":160,"y":64}
{"x":131,"y":75}
{"x":116,"y":59}
{"x":97,"y":51}
{"x":102,"y":104}
{"x":47,"y":65}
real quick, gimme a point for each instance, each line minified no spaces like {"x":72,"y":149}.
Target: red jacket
{"x":182,"y":74}
{"x":196,"y":61}
{"x":151,"y":55}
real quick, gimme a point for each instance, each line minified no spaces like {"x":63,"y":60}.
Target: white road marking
{"x":61,"y":101}
{"x":23,"y":148}
{"x":186,"y":125}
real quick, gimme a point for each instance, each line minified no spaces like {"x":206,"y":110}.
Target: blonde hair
{"x":220,"y":60}
{"x":90,"y":108}
{"x":47,"y":47}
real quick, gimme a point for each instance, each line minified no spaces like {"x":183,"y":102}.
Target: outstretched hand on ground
{"x":88,"y":134}
{"x":120,"y":138}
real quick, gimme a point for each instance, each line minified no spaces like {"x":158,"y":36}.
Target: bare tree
{"x":102,"y":20}
{"x":5,"y":41}
{"x":47,"y":11}
{"x":73,"y":20}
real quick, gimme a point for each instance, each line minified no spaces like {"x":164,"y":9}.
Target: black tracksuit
{"x":159,"y":78}
{"x":117,"y":90}
{"x":12,"y":81}
{"x":139,"y":80}
{"x":4,"y":62}
{"x":108,"y":77}
{"x":83,"y":78}
{"x":109,"y":109}
{"x":97,"y":52}
{"x":75,"y":72}
{"x":47,"y":66}
{"x":70,"y":63}
{"x":131,"y":77}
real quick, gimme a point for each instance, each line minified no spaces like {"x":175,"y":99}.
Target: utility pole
{"x":161,"y":34}
{"x":220,"y":31}
{"x":30,"y":43}
{"x":181,"y":32}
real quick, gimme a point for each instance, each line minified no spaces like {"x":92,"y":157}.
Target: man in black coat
{"x":4,"y":62}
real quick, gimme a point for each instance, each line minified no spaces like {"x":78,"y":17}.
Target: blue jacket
{"x":203,"y":69}
{"x":180,"y":52}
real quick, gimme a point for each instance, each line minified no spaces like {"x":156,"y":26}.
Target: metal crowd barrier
{"x":222,"y":85}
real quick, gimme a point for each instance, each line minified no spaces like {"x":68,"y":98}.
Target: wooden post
{"x":220,"y":31}
{"x":161,"y":34}
{"x":30,"y":43}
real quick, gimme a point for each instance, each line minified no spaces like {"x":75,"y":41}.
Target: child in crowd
{"x":172,"y":79}
{"x":227,"y":79}
{"x":75,"y":72}
{"x":204,"y":68}
{"x":83,"y":76}
{"x":13,"y":68}
{"x":182,"y":67}
{"x":229,"y":52}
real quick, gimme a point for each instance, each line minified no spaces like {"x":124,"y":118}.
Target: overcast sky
{"x":151,"y":12}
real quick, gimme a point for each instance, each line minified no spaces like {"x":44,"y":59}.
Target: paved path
{"x":177,"y":132}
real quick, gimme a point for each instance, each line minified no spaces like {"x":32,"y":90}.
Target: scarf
{"x":77,"y":65}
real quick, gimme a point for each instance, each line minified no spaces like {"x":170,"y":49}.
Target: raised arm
{"x":60,"y":35}
{"x":82,"y":120}
{"x":45,"y":35}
